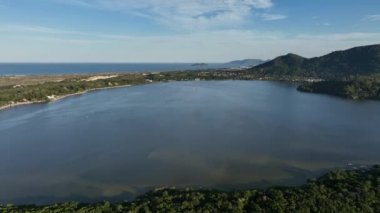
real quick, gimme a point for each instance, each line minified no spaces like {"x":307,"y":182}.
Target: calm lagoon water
{"x":114,"y":144}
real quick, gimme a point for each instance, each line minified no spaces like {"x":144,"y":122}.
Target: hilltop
{"x":364,"y":60}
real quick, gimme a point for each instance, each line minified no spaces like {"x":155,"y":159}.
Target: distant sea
{"x":12,"y":69}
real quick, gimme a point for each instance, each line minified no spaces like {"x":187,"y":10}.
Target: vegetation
{"x":337,"y":68}
{"x":349,"y":74}
{"x":363,"y":60}
{"x":41,"y":92}
{"x":352,"y":73}
{"x":26,"y":93}
{"x":367,"y":87}
{"x":361,"y":88}
{"x":338,"y":191}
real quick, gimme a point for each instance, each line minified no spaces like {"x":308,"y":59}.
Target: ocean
{"x":16,"y":69}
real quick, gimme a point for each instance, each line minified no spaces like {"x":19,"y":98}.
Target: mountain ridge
{"x":362,"y":60}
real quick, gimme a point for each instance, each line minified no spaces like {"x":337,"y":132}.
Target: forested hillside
{"x":362,"y":60}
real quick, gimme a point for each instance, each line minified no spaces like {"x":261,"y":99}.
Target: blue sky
{"x":181,"y":30}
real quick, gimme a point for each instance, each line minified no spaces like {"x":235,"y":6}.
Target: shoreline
{"x":9,"y":106}
{"x":322,"y":189}
{"x":17,"y":104}
{"x":18,"y":90}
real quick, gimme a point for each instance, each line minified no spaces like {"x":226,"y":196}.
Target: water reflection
{"x":118,"y":143}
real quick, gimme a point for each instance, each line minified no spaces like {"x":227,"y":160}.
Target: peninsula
{"x":353,"y":74}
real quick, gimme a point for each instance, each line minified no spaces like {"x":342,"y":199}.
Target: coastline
{"x":31,"y":87}
{"x":8,"y":106}
{"x":57,"y":98}
{"x":338,"y":189}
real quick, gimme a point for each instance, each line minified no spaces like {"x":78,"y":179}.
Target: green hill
{"x":358,"y":88}
{"x":363,"y":60}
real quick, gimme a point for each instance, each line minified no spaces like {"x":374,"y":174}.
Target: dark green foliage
{"x":363,"y":60}
{"x":288,"y":65}
{"x":339,"y":191}
{"x":358,"y":88}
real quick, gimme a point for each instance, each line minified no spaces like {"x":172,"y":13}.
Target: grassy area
{"x":42,"y":91}
{"x":338,"y":191}
{"x":36,"y":79}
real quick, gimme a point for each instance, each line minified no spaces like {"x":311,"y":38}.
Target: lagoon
{"x":115,"y":144}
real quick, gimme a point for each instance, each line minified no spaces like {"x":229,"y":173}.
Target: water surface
{"x":86,"y":68}
{"x":118,"y":142}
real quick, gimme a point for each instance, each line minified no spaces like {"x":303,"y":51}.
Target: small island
{"x":199,"y":64}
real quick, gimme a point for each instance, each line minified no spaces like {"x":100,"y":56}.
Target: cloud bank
{"x":186,"y":14}
{"x":273,"y":17}
{"x":372,"y":17}
{"x":23,"y":43}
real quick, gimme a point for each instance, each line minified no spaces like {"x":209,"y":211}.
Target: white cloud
{"x":324,"y":24}
{"x":372,"y":17}
{"x":202,"y":46}
{"x":185,"y":14}
{"x":272,"y":17}
{"x":34,"y":29}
